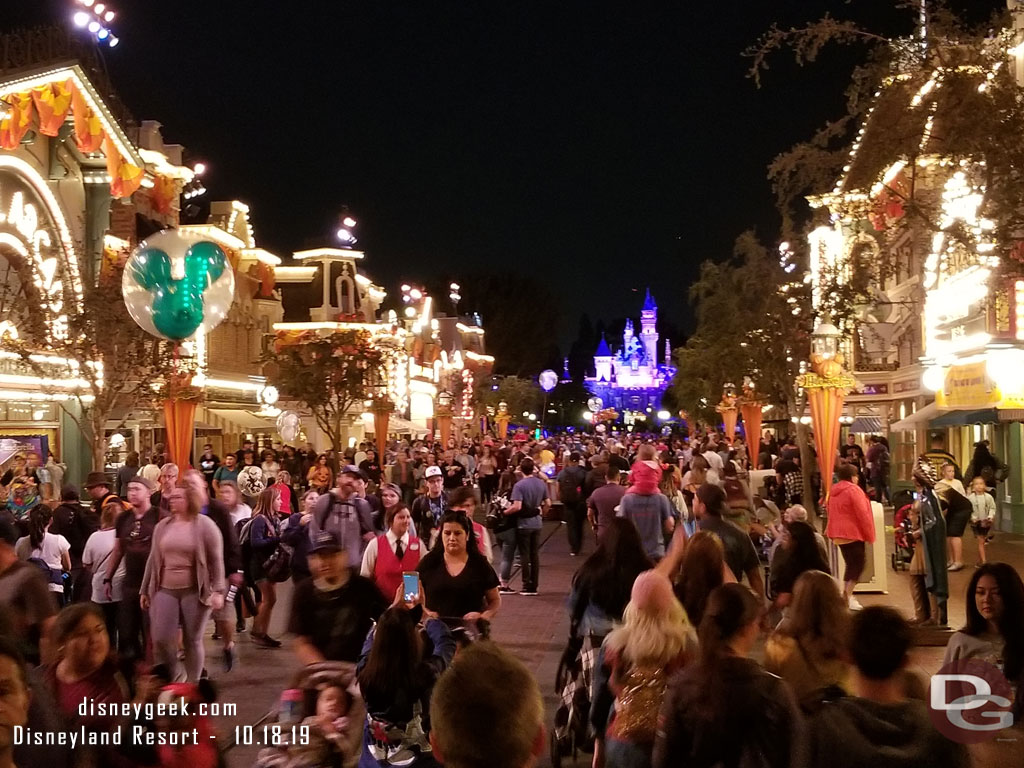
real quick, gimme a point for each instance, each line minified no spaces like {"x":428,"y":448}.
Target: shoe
{"x":949,"y":564}
{"x":854,"y":604}
{"x":263,"y":641}
{"x":506,"y":591}
{"x":956,"y":567}
{"x":240,"y":626}
{"x":230,"y":656}
{"x":528,"y":592}
{"x":204,"y":675}
{"x":271,"y":642}
{"x":216,"y":634}
{"x":574,"y":554}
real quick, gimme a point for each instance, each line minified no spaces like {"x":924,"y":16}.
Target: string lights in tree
{"x":96,"y":19}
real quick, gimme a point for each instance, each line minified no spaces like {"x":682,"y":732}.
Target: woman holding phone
{"x":457,"y":581}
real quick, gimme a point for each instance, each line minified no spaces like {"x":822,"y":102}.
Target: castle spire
{"x":649,"y":302}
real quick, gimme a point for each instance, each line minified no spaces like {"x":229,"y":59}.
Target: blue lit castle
{"x":631,"y":381}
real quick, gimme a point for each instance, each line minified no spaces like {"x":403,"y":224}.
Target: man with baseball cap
{"x":332,"y":611}
{"x":132,"y":543}
{"x":428,"y":509}
{"x":344,"y":514}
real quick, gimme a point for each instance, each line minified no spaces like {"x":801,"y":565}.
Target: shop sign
{"x":910,"y":385}
{"x":967,"y":386}
{"x":872,"y":389}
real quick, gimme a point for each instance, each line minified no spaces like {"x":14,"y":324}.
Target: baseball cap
{"x":325,"y":541}
{"x":353,"y":470}
{"x":433,"y":471}
{"x":144,"y":481}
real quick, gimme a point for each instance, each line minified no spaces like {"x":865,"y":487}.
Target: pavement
{"x":535,"y":629}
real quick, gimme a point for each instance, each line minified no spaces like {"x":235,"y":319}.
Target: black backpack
{"x":569,"y":490}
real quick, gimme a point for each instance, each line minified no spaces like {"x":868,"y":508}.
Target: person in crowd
{"x":391,"y":554}
{"x":372,"y":500}
{"x":505,"y":533}
{"x":789,"y":478}
{"x":454,"y":473}
{"x":284,"y":487}
{"x":651,"y":513}
{"x":250,"y":478}
{"x":168,"y":482}
{"x":15,"y":698}
{"x":738,"y":498}
{"x":390,"y":498}
{"x":85,"y":670}
{"x":457,"y":582}
{"x":800,"y":553}
{"x":229,"y":496}
{"x":126,"y":472}
{"x":570,"y":492}
{"x":428,"y":509}
{"x":397,"y":671}
{"x":605,"y":498}
{"x":464,"y":500}
{"x":56,"y":471}
{"x":183,"y":582}
{"x":150,"y":469}
{"x":46,"y":549}
{"x":487,"y":685}
{"x":994,"y":632}
{"x":296,"y":535}
{"x":226,"y":473}
{"x":76,"y":524}
{"x":725,"y":709}
{"x":209,"y":463}
{"x":319,"y":475}
{"x":529,"y":504}
{"x":983,"y":515}
{"x":270,"y":467}
{"x":487,"y":472}
{"x":97,"y":552}
{"x":97,"y":485}
{"x":958,"y":508}
{"x":247,"y":447}
{"x":878,"y":462}
{"x":370,"y":467}
{"x":850,"y":526}
{"x":602,"y":586}
{"x":878,"y":725}
{"x":332,"y":611}
{"x":671,"y":487}
{"x":346,"y":514}
{"x":25,"y":600}
{"x":808,"y":649}
{"x":932,"y":541}
{"x":740,"y":555}
{"x":224,"y":618}
{"x":636,"y":661}
{"x":984,"y":464}
{"x":702,"y":570}
{"x":359,"y":456}
{"x":852,"y":453}
{"x":938,"y":455}
{"x":264,"y":538}
{"x":133,"y":543}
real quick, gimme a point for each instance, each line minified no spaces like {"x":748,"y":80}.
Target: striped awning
{"x":863,"y":425}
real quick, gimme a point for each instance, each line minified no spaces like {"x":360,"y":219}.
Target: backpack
{"x":638,"y":702}
{"x":569,"y":490}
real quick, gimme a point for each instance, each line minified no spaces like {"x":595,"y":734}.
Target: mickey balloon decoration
{"x":176,"y":284}
{"x":288,"y":425}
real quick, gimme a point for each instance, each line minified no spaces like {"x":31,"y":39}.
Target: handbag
{"x":278,"y":567}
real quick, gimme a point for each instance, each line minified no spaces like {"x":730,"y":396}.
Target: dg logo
{"x":970,"y":701}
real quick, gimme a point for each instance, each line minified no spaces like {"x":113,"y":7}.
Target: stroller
{"x":572,"y":731}
{"x":903,"y":538}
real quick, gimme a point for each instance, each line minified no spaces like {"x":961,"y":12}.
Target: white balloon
{"x":288,"y":425}
{"x":139,"y":300}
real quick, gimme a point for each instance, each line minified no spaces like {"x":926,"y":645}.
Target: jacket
{"x":209,"y":563}
{"x":232,"y":550}
{"x":849,"y":513}
{"x":424,"y":518}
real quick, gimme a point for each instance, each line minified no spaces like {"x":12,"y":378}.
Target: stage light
{"x":103,"y":34}
{"x":410,"y":311}
{"x":349,"y":222}
{"x":406,"y":288}
{"x":113,"y":41}
{"x":109,"y":16}
{"x":99,"y":9}
{"x":345,"y":235}
{"x":199,"y":169}
{"x":94,"y":27}
{"x":416,"y":293}
{"x":86,"y":3}
{"x":81,"y":19}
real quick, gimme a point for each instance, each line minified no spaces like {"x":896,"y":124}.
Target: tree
{"x":520,"y":394}
{"x":329,"y":373}
{"x":92,"y":342}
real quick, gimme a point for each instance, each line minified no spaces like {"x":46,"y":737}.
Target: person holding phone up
{"x":457,"y":581}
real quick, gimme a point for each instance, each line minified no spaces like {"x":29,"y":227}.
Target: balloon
{"x":288,"y":424}
{"x":176,"y":284}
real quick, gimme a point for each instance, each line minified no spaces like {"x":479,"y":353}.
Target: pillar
{"x":1012,"y":506}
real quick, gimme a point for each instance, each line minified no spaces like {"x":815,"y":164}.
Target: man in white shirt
{"x":713,"y":458}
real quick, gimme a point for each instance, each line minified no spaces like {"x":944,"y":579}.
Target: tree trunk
{"x":807,"y":465}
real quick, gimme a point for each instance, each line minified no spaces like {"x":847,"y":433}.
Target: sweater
{"x":849,"y":514}
{"x":209,"y":559}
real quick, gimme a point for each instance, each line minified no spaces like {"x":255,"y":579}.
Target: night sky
{"x":601,"y":146}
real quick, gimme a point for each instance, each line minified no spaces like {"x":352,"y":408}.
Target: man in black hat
{"x":97,"y":484}
{"x":333,"y":610}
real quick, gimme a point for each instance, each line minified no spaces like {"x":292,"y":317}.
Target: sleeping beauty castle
{"x":630,"y":380}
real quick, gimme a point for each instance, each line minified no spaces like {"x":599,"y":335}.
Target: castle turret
{"x":603,"y":362}
{"x":648,"y":329}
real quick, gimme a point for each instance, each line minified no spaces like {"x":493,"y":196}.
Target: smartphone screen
{"x":411,"y":585}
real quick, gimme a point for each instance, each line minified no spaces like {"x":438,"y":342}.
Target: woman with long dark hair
{"x":51,"y":549}
{"x":994,"y":632}
{"x":264,"y":536}
{"x":397,"y":671}
{"x":602,"y":585}
{"x":703,"y":570}
{"x":799,"y":553}
{"x":725,"y":709}
{"x":457,"y":581}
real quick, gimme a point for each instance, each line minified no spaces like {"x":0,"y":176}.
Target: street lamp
{"x":346,"y":232}
{"x":455,"y":296}
{"x":825,"y":340}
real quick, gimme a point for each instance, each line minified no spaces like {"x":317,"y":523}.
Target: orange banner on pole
{"x":729,"y":417}
{"x":826,"y":407}
{"x":752,"y":428}
{"x":180,"y":418}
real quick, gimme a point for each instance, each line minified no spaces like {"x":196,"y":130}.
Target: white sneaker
{"x":854,"y":604}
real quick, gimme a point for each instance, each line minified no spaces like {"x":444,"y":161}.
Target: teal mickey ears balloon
{"x":176,"y":308}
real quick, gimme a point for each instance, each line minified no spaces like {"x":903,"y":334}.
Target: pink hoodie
{"x":644,"y":478}
{"x":849,"y":513}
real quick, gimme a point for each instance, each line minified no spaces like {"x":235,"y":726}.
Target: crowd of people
{"x":401,"y":558}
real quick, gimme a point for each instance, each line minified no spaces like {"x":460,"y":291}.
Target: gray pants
{"x":170,"y":609}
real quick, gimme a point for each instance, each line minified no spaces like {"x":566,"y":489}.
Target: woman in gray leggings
{"x":184,"y":578}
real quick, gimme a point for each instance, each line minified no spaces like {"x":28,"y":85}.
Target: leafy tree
{"x":521,"y":395}
{"x":330,"y":374}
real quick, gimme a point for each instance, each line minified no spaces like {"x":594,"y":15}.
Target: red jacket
{"x":849,"y":513}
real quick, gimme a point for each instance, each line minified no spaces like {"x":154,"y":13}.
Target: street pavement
{"x":535,"y":630}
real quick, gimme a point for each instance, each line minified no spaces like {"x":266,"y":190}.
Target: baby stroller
{"x":572,"y":732}
{"x":903,"y":536}
{"x":340,"y":749}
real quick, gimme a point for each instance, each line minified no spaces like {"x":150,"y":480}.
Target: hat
{"x":141,"y":480}
{"x":925,"y":471}
{"x":325,"y":541}
{"x":353,"y":470}
{"x":391,"y":487}
{"x":652,"y":592}
{"x":96,"y":479}
{"x":433,"y":471}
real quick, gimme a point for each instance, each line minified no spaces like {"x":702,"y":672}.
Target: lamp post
{"x":750,"y":407}
{"x":444,"y":417}
{"x":502,"y":420}
{"x":727,"y":408}
{"x":381,"y":409}
{"x":827,"y":385}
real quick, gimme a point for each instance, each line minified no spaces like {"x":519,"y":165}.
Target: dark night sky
{"x":603,"y":146}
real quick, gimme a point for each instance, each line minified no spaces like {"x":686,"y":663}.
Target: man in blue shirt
{"x":529,"y":503}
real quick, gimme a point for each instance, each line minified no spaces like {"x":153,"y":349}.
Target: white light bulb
{"x":81,"y":19}
{"x":349,"y":222}
{"x":99,"y":9}
{"x":109,"y":16}
{"x":113,"y":41}
{"x":94,"y":26}
{"x":199,"y":169}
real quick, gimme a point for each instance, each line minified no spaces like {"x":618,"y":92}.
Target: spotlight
{"x":94,"y":27}
{"x":81,"y":19}
{"x":199,"y":169}
{"x":345,"y":235}
{"x":109,"y":16}
{"x":99,"y":9}
{"x":103,"y":34}
{"x":349,"y":222}
{"x":113,"y":41}
{"x":86,"y":3}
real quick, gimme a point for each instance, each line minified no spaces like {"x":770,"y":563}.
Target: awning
{"x":866,"y":425}
{"x":245,"y":419}
{"x":404,"y":426}
{"x":966,"y":418}
{"x":920,"y":418}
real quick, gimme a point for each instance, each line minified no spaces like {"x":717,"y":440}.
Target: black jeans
{"x":132,"y":629}
{"x":528,"y":543}
{"x":575,"y":514}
